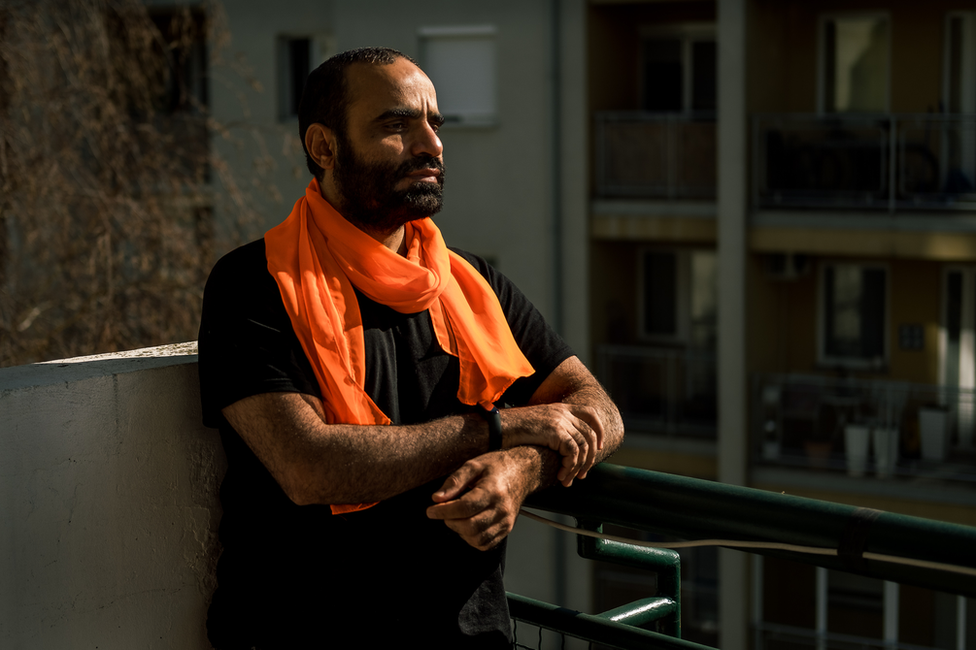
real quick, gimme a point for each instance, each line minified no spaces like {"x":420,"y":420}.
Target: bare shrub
{"x":107,"y":175}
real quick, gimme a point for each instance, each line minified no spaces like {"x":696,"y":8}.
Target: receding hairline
{"x":353,"y":97}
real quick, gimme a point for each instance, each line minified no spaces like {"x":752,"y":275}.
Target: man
{"x":352,"y":363}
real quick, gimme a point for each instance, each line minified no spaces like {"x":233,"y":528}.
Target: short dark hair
{"x":325,"y":97}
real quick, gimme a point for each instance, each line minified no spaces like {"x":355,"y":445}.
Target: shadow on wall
{"x":109,"y":491}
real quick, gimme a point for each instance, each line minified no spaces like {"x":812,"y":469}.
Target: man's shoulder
{"x":243,"y":258}
{"x":240,"y":275}
{"x":478,"y":263}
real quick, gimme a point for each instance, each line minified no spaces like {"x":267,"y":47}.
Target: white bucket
{"x":856,"y":439}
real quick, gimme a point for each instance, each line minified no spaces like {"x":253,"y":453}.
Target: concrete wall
{"x":108,"y":497}
{"x":498,"y":194}
{"x":263,"y":151}
{"x":516,"y":190}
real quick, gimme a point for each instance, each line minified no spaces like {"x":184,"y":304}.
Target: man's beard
{"x":369,"y":196}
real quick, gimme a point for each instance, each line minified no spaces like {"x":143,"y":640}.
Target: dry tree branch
{"x":107,"y":175}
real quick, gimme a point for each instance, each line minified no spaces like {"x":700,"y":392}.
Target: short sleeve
{"x":246,"y":342}
{"x":540,"y":344}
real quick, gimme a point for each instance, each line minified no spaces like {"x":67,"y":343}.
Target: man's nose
{"x":427,"y":142}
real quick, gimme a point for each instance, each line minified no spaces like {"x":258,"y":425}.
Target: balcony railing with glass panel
{"x":641,"y":155}
{"x":873,"y":428}
{"x":885,"y":162}
{"x":662,"y":391}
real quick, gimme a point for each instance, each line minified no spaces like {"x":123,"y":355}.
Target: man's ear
{"x":321,"y":145}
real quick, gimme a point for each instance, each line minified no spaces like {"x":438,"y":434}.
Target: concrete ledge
{"x":108,"y":492}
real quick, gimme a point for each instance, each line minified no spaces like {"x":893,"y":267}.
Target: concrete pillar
{"x":573,"y":201}
{"x":732,"y":376}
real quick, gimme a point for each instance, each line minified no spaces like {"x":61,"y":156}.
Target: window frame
{"x":822,"y":21}
{"x":683,"y":298}
{"x":969,"y":16}
{"x":320,"y":48}
{"x":487,"y":31}
{"x":850,"y":362}
{"x":688,"y":34}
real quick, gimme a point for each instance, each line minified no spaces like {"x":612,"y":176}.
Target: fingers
{"x":573,"y":431}
{"x":585,"y":440}
{"x":457,"y":483}
{"x":476,"y":504}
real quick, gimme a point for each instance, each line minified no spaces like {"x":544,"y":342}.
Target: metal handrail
{"x":925,"y":161}
{"x":651,"y":163}
{"x":696,"y":509}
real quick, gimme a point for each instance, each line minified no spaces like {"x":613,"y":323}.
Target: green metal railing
{"x":694,"y":509}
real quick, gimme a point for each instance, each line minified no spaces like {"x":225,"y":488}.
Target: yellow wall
{"x":783,"y":57}
{"x":784,"y":318}
{"x":879,"y":242}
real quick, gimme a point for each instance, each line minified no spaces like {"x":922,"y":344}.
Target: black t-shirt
{"x":298,"y":576}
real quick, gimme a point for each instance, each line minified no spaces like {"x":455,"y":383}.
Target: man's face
{"x":389,"y":166}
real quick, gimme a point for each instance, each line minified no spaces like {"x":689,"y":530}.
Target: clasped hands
{"x":481,"y":499}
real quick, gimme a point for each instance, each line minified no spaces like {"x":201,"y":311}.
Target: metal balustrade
{"x":655,"y":155}
{"x":879,"y":428}
{"x":695,"y":509}
{"x":887,"y":162}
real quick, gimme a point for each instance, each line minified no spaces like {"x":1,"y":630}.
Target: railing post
{"x":665,"y":563}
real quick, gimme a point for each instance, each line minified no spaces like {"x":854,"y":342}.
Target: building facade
{"x":755,"y":219}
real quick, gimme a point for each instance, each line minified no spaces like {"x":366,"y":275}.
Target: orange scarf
{"x":316,"y":257}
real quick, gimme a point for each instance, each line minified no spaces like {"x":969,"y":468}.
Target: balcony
{"x":110,"y":485}
{"x":641,"y":155}
{"x":662,"y":391}
{"x":890,"y":162}
{"x":874,"y":429}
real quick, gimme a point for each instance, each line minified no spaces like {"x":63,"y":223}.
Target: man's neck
{"x":394,"y":240}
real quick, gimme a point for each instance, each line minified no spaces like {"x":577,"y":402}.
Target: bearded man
{"x":353,"y":364}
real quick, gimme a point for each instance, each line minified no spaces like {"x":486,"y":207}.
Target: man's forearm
{"x":314,"y":462}
{"x":323,"y":463}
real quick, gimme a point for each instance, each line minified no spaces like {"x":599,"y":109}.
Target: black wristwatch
{"x":494,"y":420}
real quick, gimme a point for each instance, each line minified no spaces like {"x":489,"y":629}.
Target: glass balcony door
{"x":958,"y":343}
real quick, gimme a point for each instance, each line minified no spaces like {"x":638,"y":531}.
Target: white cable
{"x":734,"y":543}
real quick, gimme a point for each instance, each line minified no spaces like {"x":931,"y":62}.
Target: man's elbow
{"x":614,"y":431}
{"x":297,"y":485}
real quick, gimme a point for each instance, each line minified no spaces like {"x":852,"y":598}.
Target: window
{"x":853,"y":315}
{"x":679,"y":69}
{"x":678,"y":297}
{"x":461,"y":62}
{"x":297,"y":57}
{"x":959,"y":97}
{"x":960,"y":63}
{"x":854,"y":64}
{"x":957,"y":344}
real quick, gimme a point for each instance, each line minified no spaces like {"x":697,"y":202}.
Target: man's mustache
{"x":419,"y":163}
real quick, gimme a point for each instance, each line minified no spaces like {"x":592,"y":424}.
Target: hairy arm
{"x":481,"y":500}
{"x":315,"y":462}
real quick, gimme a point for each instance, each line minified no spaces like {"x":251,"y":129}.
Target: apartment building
{"x":811,"y":167}
{"x":755,"y":219}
